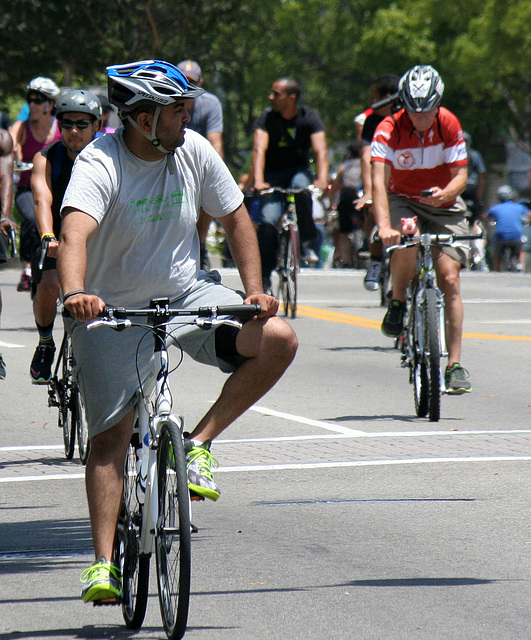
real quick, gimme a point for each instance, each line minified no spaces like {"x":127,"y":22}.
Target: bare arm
{"x":41,"y":186}
{"x":243,"y":245}
{"x":457,"y":185}
{"x":6,"y":179}
{"x":76,"y":230}
{"x":320,"y":150}
{"x":17,"y":132}
{"x":260,"y":145}
{"x":216,"y":140}
{"x":365,"y":176}
{"x":380,"y":174}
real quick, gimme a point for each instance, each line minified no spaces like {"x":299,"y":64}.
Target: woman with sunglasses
{"x":29,"y":137}
{"x":78,"y":114}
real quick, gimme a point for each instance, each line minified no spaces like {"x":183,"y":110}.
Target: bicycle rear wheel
{"x":433,"y":342}
{"x":64,"y":388}
{"x":134,"y":567}
{"x":385,"y":284}
{"x":173,"y":537}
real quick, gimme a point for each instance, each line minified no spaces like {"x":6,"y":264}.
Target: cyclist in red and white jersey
{"x":419,"y":168}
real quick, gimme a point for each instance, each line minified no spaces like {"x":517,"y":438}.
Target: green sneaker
{"x":103,"y":583}
{"x":199,"y":461}
{"x":456,"y":379}
{"x":393,"y":322}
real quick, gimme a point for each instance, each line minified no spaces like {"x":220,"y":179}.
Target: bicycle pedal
{"x":107,"y":602}
{"x":195,"y":496}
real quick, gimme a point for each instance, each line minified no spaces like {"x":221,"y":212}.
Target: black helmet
{"x":79,"y":101}
{"x":420,"y":89}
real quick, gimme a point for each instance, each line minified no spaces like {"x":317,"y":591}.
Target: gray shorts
{"x":434,"y":220}
{"x":112,"y":367}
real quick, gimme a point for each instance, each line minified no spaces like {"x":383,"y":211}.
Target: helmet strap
{"x":151,"y":136}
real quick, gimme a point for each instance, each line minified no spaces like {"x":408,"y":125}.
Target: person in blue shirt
{"x":509,"y":216}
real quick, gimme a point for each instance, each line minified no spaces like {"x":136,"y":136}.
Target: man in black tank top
{"x":79,"y":116}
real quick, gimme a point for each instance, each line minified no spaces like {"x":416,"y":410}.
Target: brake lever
{"x":114,"y":323}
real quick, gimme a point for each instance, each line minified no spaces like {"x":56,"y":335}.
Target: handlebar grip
{"x":240,"y":311}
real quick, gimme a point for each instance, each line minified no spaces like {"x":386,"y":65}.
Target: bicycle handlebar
{"x":431,"y":239}
{"x":290,"y":191}
{"x":118,"y":317}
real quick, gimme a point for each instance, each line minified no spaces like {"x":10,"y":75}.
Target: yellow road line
{"x":345,"y":318}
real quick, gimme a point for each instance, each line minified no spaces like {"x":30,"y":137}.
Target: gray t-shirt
{"x":146,"y":244}
{"x":207,"y":115}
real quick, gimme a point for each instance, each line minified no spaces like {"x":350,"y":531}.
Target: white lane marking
{"x":314,"y":423}
{"x":50,"y":476}
{"x":376,"y":434}
{"x":31,"y":447}
{"x":301,"y":466}
{"x":365,"y":463}
{"x":11,"y":345}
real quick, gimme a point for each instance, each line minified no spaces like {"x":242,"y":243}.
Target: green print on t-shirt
{"x":160,"y":207}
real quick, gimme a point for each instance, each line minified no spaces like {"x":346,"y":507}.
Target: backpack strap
{"x":57,"y":162}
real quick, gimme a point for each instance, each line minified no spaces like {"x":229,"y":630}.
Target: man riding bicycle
{"x":128,"y":236}
{"x":284,"y":133}
{"x":419,"y":168}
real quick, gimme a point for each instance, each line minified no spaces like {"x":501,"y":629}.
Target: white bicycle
{"x":155,"y":510}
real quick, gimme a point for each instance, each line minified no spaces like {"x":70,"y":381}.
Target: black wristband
{"x":73,"y":293}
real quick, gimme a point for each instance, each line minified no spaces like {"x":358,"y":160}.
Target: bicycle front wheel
{"x":433,"y":360}
{"x":134,"y":567}
{"x":173,"y":536}
{"x":80,"y":421}
{"x":419,"y":371}
{"x":292,"y":270}
{"x":64,"y":388}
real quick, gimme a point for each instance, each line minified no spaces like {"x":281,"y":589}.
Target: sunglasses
{"x":78,"y":124}
{"x":37,"y":100}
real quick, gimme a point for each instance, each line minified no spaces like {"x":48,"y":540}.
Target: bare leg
{"x":450,"y":284}
{"x":104,"y":483}
{"x":45,"y":300}
{"x":270,"y":346}
{"x":403,"y":263}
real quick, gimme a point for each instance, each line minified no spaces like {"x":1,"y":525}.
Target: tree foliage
{"x":335,"y":48}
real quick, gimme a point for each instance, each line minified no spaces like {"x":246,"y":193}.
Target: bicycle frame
{"x":158,"y":522}
{"x":426,"y":279}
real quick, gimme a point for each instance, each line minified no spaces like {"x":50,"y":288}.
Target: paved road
{"x":342,"y":514}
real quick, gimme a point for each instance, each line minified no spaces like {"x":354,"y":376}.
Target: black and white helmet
{"x":420,"y":89}
{"x":79,"y":101}
{"x":45,"y":86}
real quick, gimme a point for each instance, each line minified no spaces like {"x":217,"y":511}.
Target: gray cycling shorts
{"x":434,"y":220}
{"x":113,"y":367}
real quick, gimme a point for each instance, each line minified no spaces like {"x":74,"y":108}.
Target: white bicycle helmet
{"x":148,"y":82}
{"x":45,"y":86}
{"x":420,"y":89}
{"x":506,"y":192}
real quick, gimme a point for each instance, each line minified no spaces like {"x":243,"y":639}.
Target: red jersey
{"x":419,"y":164}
